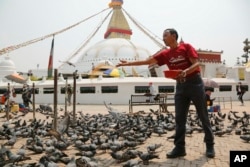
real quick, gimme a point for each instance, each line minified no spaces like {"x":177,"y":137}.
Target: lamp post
{"x":66,"y":98}
{"x":74,"y":97}
{"x":55,"y":98}
{"x":8,"y":103}
{"x":33,"y":101}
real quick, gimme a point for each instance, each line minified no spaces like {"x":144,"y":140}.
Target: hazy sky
{"x":218,"y":25}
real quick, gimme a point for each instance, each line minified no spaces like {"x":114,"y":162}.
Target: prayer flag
{"x":50,"y":65}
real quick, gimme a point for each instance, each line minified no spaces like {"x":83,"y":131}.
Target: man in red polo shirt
{"x":189,"y":87}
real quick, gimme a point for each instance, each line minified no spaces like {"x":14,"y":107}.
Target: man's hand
{"x":122,"y":63}
{"x":181,"y":75}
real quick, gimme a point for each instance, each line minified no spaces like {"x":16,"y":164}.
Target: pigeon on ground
{"x":152,"y":148}
{"x":72,"y":162}
{"x":11,"y":142}
{"x":245,"y":137}
{"x":132,"y":163}
{"x":145,"y":157}
{"x":56,"y":134}
{"x":114,"y":112}
{"x":13,"y":158}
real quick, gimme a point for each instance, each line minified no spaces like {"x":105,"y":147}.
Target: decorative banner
{"x":50,"y":65}
{"x":241,"y":73}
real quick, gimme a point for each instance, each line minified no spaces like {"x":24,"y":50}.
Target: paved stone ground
{"x":195,"y":146}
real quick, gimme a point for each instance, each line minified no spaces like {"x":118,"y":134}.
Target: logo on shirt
{"x":177,"y":59}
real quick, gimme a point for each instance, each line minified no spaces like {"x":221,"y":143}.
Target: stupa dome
{"x":7,"y":66}
{"x":112,"y":50}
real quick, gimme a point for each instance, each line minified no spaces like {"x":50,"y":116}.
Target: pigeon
{"x":11,"y":142}
{"x":235,"y":114}
{"x":14,"y":158}
{"x":2,"y":155}
{"x":82,"y":161}
{"x":56,"y":134}
{"x":72,"y":162}
{"x":159,"y":130}
{"x":104,"y":146}
{"x":35,"y":148}
{"x":153,"y":147}
{"x":89,"y":154}
{"x":63,"y":124}
{"x":245,"y":137}
{"x":132,"y":163}
{"x":121,"y":156}
{"x":219,"y":133}
{"x":145,"y":157}
{"x":245,"y":130}
{"x":22,"y":151}
{"x":223,"y":116}
{"x":114,"y":112}
{"x":49,"y":149}
{"x":237,"y":131}
{"x":92,"y":164}
{"x":133,"y":153}
{"x":154,"y":112}
{"x":43,"y":161}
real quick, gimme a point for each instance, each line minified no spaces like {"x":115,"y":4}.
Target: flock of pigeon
{"x":118,"y":134}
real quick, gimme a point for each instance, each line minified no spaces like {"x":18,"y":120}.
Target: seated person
{"x":208,"y":97}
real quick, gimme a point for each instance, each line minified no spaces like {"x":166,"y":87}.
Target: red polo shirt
{"x":177,"y":58}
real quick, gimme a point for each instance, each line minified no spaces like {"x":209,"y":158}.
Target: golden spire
{"x":118,"y":26}
{"x":114,"y":3}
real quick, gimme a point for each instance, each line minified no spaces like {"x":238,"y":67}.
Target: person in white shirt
{"x":151,"y":91}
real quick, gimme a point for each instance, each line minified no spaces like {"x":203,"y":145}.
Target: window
{"x":212,"y":89}
{"x":88,"y":89}
{"x":48,"y":90}
{"x":3,"y":90}
{"x":141,"y":89}
{"x":18,"y":90}
{"x":245,"y":87}
{"x":166,"y":89}
{"x":225,"y":88}
{"x":62,"y":90}
{"x":109,"y":89}
{"x":36,"y":90}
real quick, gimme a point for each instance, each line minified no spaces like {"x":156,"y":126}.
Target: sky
{"x":217,"y":25}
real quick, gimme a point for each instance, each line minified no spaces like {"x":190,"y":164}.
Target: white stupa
{"x":115,"y":46}
{"x":7,"y":67}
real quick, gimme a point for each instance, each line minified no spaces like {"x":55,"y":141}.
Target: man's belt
{"x":188,"y":78}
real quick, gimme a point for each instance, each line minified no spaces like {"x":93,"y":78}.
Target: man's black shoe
{"x":174,"y":154}
{"x":210,"y":153}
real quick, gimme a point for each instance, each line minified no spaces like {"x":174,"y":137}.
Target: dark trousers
{"x":240,"y":97}
{"x":191,"y":90}
{"x":26,"y":102}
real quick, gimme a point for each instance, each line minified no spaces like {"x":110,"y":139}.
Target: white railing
{"x":223,"y":101}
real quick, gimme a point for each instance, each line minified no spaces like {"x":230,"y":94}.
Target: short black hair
{"x":172,"y":31}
